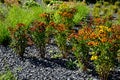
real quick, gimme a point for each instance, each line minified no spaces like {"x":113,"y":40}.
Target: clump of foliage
{"x":38,"y":35}
{"x":30,"y":3}
{"x":80,"y":48}
{"x":104,"y":47}
{"x":19,"y":38}
{"x":18,"y":14}
{"x":7,"y":76}
{"x":4,"y":34}
{"x":103,"y":42}
{"x":61,"y":38}
{"x":117,"y":3}
{"x":97,"y":41}
{"x":82,"y":12}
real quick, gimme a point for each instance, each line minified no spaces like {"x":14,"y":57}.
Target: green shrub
{"x":117,"y":3}
{"x":18,"y":15}
{"x":106,"y":4}
{"x":36,"y":11}
{"x":82,"y":12}
{"x":22,"y":15}
{"x":38,"y":36}
{"x":19,"y":38}
{"x":4,"y":34}
{"x":7,"y":76}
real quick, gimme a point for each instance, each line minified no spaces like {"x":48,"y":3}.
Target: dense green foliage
{"x":96,"y":40}
{"x":82,"y":12}
{"x":17,"y":14}
{"x":4,"y":34}
{"x":7,"y":76}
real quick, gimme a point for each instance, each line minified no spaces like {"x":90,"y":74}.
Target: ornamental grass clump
{"x":18,"y":14}
{"x":38,"y":35}
{"x":7,"y":76}
{"x":82,"y":11}
{"x":19,"y":37}
{"x":4,"y":34}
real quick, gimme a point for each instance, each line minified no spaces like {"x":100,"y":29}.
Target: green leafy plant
{"x":36,"y":11}
{"x":81,"y":54}
{"x":18,"y":14}
{"x":19,"y":38}
{"x":82,"y":12}
{"x":117,"y":3}
{"x":38,"y":35}
{"x":50,"y":31}
{"x":56,"y":29}
{"x":66,"y":13}
{"x":61,"y":39}
{"x":104,"y":47}
{"x":4,"y":34}
{"x":80,"y":49}
{"x":96,"y":12}
{"x":63,"y":18}
{"x":1,"y":12}
{"x":46,"y":17}
{"x":57,"y":55}
{"x":71,"y":64}
{"x":30,"y":3}
{"x":106,"y":4}
{"x":7,"y":75}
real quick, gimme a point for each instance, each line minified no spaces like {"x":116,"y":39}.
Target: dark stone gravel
{"x":33,"y":68}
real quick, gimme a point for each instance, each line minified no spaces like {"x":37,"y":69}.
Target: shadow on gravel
{"x":114,"y":75}
{"x":25,"y":79}
{"x":52,"y":63}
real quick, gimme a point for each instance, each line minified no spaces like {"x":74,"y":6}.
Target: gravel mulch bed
{"x":34,"y":68}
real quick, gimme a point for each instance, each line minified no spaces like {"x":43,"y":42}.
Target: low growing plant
{"x":4,"y":34}
{"x":19,"y":14}
{"x":38,"y":35}
{"x":82,"y":12}
{"x":19,"y":38}
{"x":104,"y":46}
{"x":71,"y":64}
{"x":80,"y":49}
{"x":66,"y":14}
{"x":61,"y":38}
{"x":30,"y":3}
{"x":7,"y":76}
